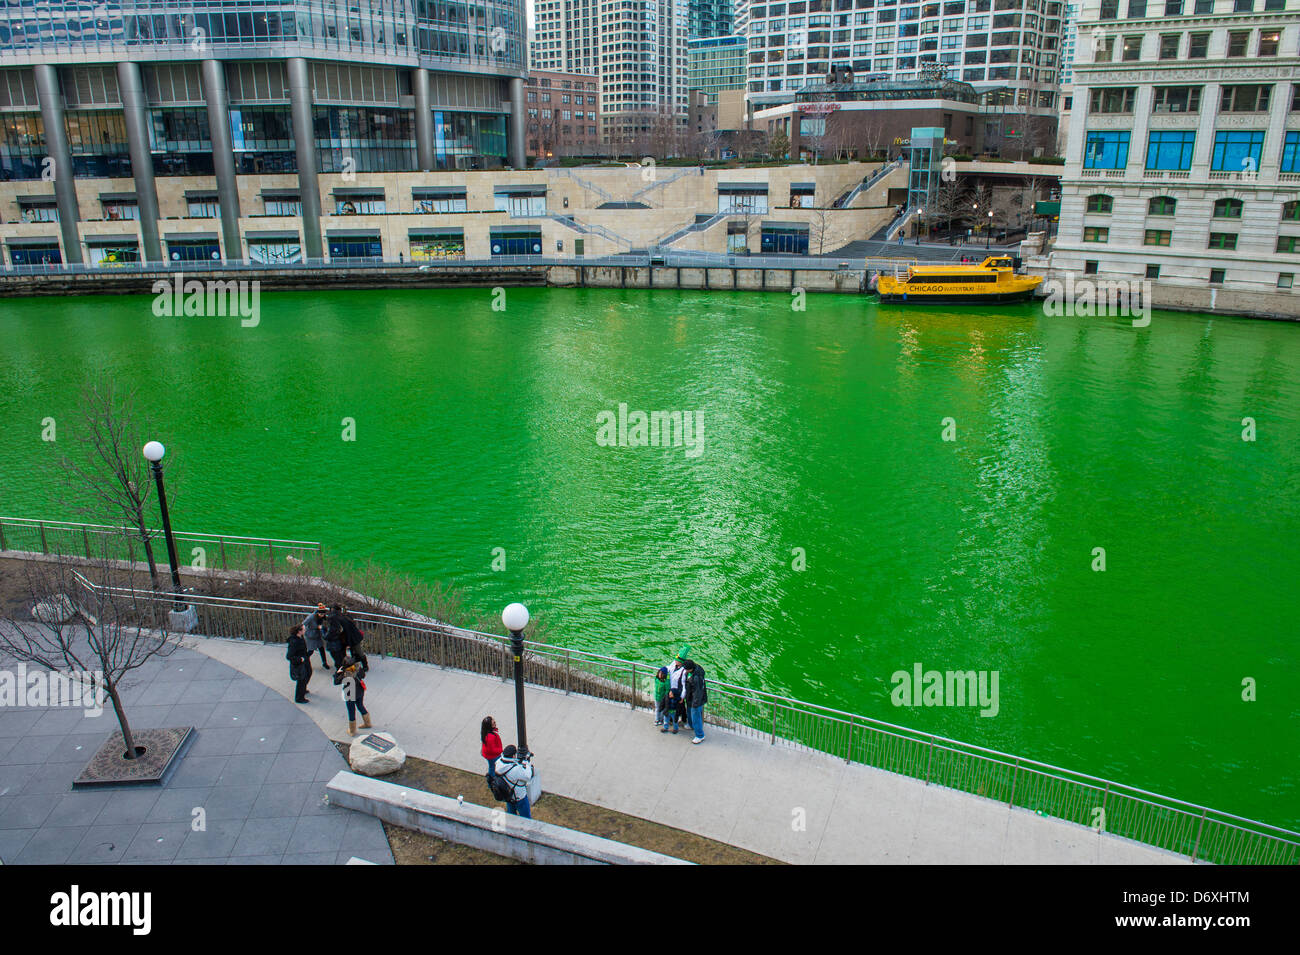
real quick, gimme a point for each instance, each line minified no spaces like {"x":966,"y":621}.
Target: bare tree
{"x":981,"y":204}
{"x":107,"y":466}
{"x":778,"y":144}
{"x":950,"y":203}
{"x":821,"y":229}
{"x":871,"y":134}
{"x":89,"y":627}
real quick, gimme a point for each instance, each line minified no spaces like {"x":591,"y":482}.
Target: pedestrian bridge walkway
{"x":779,"y":800}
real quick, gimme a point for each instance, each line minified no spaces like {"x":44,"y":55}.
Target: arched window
{"x":1161,"y":206}
{"x":1227,"y":208}
{"x":1100,"y":203}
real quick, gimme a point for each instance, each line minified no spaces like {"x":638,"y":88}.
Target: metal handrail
{"x":189,"y":535}
{"x":116,"y":542}
{"x":1148,"y":817}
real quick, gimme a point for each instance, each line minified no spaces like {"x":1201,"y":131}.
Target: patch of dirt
{"x":570,"y":813}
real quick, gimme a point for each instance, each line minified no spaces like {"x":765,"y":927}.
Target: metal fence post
{"x":632,"y":697}
{"x":928,"y":761}
{"x":85,"y":538}
{"x":567,"y":665}
{"x":45,"y":547}
{"x":3,"y":545}
{"x":1197,"y":845}
{"x":848,"y":756}
{"x":773,"y":722}
{"x":223,"y":554}
{"x":1014,"y":773}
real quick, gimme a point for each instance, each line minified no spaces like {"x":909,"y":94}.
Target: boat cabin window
{"x":952,"y":279}
{"x":1000,"y":264}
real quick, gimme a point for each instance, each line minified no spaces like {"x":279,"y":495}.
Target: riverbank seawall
{"x":818,"y":275}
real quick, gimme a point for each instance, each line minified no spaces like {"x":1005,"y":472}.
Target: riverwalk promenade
{"x":778,"y":800}
{"x":250,"y":790}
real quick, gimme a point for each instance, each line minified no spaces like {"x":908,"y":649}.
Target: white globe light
{"x":154,"y":451}
{"x":515,"y":617}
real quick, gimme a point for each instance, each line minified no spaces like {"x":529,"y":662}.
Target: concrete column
{"x":518,"y":158}
{"x":135,"y":110}
{"x":223,"y":156}
{"x":423,"y":120}
{"x":56,"y":144}
{"x":304,"y":141}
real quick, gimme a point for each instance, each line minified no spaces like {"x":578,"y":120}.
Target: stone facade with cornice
{"x":1109,"y":225}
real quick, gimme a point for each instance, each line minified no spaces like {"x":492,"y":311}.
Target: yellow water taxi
{"x":993,"y":280}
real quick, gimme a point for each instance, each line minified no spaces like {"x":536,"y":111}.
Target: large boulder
{"x":376,"y":754}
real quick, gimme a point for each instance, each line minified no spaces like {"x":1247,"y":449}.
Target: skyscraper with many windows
{"x":709,"y":18}
{"x":636,"y":47}
{"x":140,"y":90}
{"x":1011,"y":45}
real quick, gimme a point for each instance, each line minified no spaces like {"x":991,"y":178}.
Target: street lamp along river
{"x":153,"y":453}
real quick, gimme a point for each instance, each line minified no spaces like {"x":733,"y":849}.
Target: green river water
{"x":822,"y":431}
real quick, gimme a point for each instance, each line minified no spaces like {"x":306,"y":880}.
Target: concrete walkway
{"x":257,"y":768}
{"x":732,"y":788}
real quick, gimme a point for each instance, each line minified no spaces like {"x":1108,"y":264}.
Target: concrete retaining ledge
{"x":493,"y":830}
{"x":713,"y":277}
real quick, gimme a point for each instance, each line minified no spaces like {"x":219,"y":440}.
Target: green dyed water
{"x":821,"y":442}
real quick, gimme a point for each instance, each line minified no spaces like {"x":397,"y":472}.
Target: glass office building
{"x":142,"y":90}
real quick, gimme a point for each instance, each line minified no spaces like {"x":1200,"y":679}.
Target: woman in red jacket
{"x":491,"y":744}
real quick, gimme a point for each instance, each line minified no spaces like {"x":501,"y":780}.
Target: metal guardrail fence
{"x":116,"y":543}
{"x":1201,"y":833}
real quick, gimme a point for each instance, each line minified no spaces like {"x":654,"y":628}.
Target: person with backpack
{"x":350,"y":676}
{"x":697,"y":695}
{"x":512,"y":775}
{"x":299,"y":658}
{"x":661,"y":696}
{"x":317,"y":626}
{"x":491,"y":750}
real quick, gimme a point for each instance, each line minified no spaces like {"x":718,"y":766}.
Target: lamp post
{"x":988,"y":235}
{"x":920,"y":224}
{"x":153,"y":453}
{"x":515,"y":617}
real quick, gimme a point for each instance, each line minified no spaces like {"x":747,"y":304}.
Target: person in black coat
{"x":299,"y":658}
{"x":352,"y":634}
{"x":336,"y":636}
{"x":697,"y":694}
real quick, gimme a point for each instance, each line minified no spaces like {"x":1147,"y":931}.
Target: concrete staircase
{"x":700,"y":226}
{"x":589,"y":228}
{"x":847,"y":199}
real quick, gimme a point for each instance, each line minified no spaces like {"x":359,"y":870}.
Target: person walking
{"x":491,"y":750}
{"x":350,"y":676}
{"x":697,"y":694}
{"x":299,"y":658}
{"x":317,"y":626}
{"x":661,"y":696}
{"x":518,"y":772}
